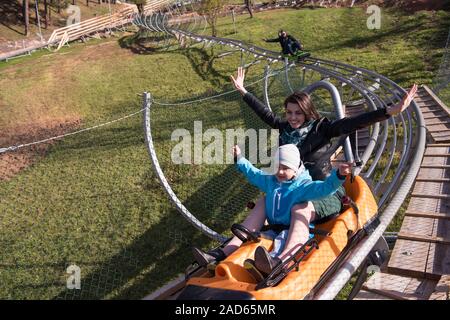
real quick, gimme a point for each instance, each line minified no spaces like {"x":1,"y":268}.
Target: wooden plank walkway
{"x":436,"y":114}
{"x":419,"y":266}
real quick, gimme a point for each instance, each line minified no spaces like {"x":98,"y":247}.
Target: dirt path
{"x":12,"y":162}
{"x":44,"y":114}
{"x":8,"y":46}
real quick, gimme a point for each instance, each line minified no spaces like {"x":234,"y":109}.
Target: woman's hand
{"x":402,"y":105}
{"x":239,"y":81}
{"x":345,"y":169}
{"x":236,"y":151}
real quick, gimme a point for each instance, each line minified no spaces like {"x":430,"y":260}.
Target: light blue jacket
{"x":282,"y":196}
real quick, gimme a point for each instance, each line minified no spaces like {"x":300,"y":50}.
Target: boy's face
{"x":284,"y":173}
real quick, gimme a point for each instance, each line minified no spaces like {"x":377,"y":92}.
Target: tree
{"x":248,"y":6}
{"x":46,"y":12}
{"x":36,"y":11}
{"x":140,"y":5}
{"x":212,"y":8}
{"x":26,"y":18}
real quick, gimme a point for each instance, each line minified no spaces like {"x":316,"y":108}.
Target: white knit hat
{"x":289,"y":156}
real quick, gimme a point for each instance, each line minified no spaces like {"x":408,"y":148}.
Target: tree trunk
{"x":26,"y":17}
{"x":59,"y":6}
{"x":46,"y":14}
{"x":248,"y":6}
{"x":140,"y":8}
{"x":213,"y":23}
{"x":36,"y":9}
{"x":213,"y":29}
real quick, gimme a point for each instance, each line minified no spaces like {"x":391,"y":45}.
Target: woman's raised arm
{"x":348,"y":125}
{"x":239,"y":81}
{"x":402,"y":105}
{"x":258,"y":107}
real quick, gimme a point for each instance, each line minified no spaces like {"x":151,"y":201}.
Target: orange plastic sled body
{"x":231,"y":276}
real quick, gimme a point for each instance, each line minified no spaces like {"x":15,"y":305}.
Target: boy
{"x":290,"y":185}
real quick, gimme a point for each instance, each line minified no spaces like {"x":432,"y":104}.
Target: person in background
{"x":289,"y":45}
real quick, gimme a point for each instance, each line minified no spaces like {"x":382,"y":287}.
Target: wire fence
{"x":77,"y":201}
{"x":83,"y":195}
{"x":441,"y":83}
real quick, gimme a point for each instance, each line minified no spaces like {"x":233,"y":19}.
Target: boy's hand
{"x":345,"y":169}
{"x":236,"y":151}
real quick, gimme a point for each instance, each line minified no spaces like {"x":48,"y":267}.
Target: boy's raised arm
{"x":254,"y":175}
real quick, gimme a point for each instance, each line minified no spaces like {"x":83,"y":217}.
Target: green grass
{"x":94,"y":200}
{"x":444,"y":95}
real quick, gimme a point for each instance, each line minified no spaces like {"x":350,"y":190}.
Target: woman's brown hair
{"x":303,"y":100}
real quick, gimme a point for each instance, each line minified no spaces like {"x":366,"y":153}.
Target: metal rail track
{"x":355,"y":85}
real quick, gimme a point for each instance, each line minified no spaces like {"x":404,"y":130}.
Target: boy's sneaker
{"x":264,"y":262}
{"x":250,"y":266}
{"x":205,"y":258}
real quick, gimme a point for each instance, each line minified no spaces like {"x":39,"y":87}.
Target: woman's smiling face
{"x":294,"y":115}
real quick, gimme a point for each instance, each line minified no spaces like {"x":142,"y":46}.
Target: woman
{"x":312,"y":134}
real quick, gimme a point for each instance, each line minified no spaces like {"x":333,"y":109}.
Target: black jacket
{"x":289,"y":45}
{"x":317,"y":147}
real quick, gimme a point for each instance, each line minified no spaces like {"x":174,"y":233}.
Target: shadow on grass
{"x":203,"y":64}
{"x":407,"y":30}
{"x":140,"y":43}
{"x":146,"y":42}
{"x":164,"y":250}
{"x":409,"y":7}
